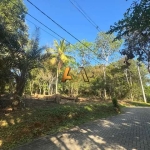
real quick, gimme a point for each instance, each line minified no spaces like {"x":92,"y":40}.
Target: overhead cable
{"x":78,"y":7}
{"x":62,"y":27}
{"x":55,"y":32}
{"x":43,"y":29}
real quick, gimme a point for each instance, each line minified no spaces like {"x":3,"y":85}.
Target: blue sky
{"x":104,"y":13}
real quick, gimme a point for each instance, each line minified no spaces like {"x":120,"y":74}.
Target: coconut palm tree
{"x":60,"y":57}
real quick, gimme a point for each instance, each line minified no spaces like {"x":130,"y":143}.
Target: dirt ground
{"x":40,"y":101}
{"x":46,"y":101}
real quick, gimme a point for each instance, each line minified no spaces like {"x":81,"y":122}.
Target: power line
{"x":57,"y":33}
{"x":41,"y":23}
{"x":45,"y":26}
{"x":78,"y":7}
{"x":85,"y":13}
{"x":61,"y":27}
{"x":43,"y":29}
{"x":57,"y":38}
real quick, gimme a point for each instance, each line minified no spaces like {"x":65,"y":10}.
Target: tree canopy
{"x":134,"y":28}
{"x":28,"y":67}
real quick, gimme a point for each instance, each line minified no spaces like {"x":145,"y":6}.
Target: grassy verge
{"x":134,"y":104}
{"x":21,"y":127}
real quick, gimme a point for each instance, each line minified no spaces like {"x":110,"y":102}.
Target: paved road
{"x":127,"y":131}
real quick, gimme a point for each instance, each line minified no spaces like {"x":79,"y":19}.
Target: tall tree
{"x":135,"y":29}
{"x":59,"y":58}
{"x":12,"y":22}
{"x":13,"y":35}
{"x":83,"y":54}
{"x":31,"y":58}
{"x":105,"y":47}
{"x":122,"y":84}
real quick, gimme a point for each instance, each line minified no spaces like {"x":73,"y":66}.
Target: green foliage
{"x":12,"y":21}
{"x":32,"y":58}
{"x":105,"y":46}
{"x":135,"y":29}
{"x":135,"y":103}
{"x":124,"y":81}
{"x":21,"y":58}
{"x":147,"y":92}
{"x":82,"y":53}
{"x":115,"y":102}
{"x":13,"y":36}
{"x":117,"y":85}
{"x":135,"y":19}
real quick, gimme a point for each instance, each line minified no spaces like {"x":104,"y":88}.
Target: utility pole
{"x":144,"y":97}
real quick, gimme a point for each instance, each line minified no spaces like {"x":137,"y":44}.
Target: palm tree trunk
{"x":57,"y":81}
{"x":20,"y":83}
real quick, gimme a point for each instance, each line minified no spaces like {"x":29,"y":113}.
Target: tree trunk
{"x":49,"y":87}
{"x":70,"y":90}
{"x":77,"y":92}
{"x":56,"y":86}
{"x":51,"y":91}
{"x":104,"y":71}
{"x":131,"y":86}
{"x":144,"y":97}
{"x":44,"y":91}
{"x":20,"y":81}
{"x":126,"y":74}
{"x":129,"y":83}
{"x":31,"y":87}
{"x":40,"y":90}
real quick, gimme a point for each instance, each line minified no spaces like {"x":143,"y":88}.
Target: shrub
{"x":115,"y":102}
{"x":148,"y":98}
{"x":116,"y":105}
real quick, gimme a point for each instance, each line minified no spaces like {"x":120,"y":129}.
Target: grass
{"x":20,"y":127}
{"x":134,"y":103}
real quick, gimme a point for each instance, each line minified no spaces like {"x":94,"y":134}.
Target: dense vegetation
{"x":134,"y":28}
{"x":21,"y":58}
{"x":26,"y":68}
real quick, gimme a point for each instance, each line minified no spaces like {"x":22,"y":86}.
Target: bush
{"x":115,"y":102}
{"x":148,"y":98}
{"x":116,"y":105}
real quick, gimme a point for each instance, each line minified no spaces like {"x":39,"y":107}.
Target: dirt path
{"x":127,"y":131}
